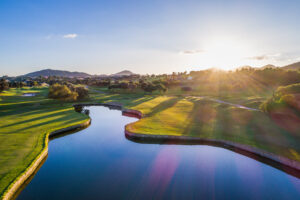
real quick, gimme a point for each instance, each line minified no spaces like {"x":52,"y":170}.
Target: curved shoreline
{"x":21,"y":179}
{"x":13,"y":188}
{"x":287,"y":165}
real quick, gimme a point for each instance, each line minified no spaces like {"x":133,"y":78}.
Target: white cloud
{"x":70,"y":36}
{"x":265,"y":57}
{"x":48,"y":37}
{"x":192,"y":52}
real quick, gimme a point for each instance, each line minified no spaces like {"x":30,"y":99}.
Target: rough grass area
{"x":25,"y":121}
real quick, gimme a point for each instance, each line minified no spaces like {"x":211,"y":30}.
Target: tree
{"x":62,"y":92}
{"x":82,"y":92}
{"x":186,"y":88}
{"x":149,"y":87}
{"x":161,"y":87}
{"x":3,"y":85}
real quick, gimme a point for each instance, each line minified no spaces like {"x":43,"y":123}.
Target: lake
{"x":100,"y":163}
{"x":29,"y":94}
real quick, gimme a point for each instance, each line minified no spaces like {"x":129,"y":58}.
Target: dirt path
{"x":227,"y":103}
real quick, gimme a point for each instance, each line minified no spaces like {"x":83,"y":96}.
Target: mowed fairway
{"x":200,"y":117}
{"x":24,"y":124}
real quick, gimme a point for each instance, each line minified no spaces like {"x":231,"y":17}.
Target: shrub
{"x":186,"y":88}
{"x":82,"y":92}
{"x":3,"y":85}
{"x":79,"y":108}
{"x":283,"y":96}
{"x":149,"y":87}
{"x":161,"y":87}
{"x":289,"y":89}
{"x":62,"y":92}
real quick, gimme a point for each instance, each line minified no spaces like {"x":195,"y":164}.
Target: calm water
{"x":28,"y":94}
{"x":100,"y":163}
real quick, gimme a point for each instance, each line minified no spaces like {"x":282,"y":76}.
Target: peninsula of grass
{"x":201,"y":118}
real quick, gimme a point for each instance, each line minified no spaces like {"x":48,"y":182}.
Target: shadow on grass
{"x":163,"y":106}
{"x":39,"y":111}
{"x":58,"y":119}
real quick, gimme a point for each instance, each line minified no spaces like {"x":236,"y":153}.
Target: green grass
{"x":180,"y":114}
{"x":25,"y":122}
{"x":199,"y":117}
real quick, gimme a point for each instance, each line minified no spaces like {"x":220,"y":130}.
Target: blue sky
{"x":146,"y":36}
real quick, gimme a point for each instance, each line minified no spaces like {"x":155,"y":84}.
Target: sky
{"x":146,"y":36}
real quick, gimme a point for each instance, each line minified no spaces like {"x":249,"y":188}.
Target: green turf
{"x":25,"y":121}
{"x":200,"y":117}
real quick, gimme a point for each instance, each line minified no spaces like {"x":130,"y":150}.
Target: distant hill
{"x":294,"y":66}
{"x":245,"y":67}
{"x":61,"y":73}
{"x":257,"y":68}
{"x":268,"y":66}
{"x":123,"y":73}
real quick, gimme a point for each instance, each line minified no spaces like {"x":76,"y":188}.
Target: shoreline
{"x":30,"y":170}
{"x":287,"y":165}
{"x":284,"y":164}
{"x":13,"y":188}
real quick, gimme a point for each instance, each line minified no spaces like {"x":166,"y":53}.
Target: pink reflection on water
{"x":162,"y":171}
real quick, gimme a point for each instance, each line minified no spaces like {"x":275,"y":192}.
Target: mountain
{"x":294,"y":66}
{"x":61,"y":73}
{"x":268,"y":66}
{"x":257,"y":68}
{"x":123,"y":73}
{"x":244,"y":67}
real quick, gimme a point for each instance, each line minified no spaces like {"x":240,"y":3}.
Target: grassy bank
{"x":24,"y":123}
{"x":199,"y":117}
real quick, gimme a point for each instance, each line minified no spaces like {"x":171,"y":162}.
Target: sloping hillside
{"x":61,"y":73}
{"x":294,"y":66}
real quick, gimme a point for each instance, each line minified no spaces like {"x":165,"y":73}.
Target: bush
{"x":3,"y":85}
{"x":283,"y":96}
{"x":79,"y":108}
{"x":161,"y":87}
{"x":289,"y":89}
{"x":148,"y":87}
{"x":186,"y":88}
{"x":62,"y":92}
{"x":82,"y":92}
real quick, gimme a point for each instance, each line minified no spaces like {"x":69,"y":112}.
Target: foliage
{"x":3,"y":85}
{"x":82,"y":92}
{"x":186,"y":88}
{"x":283,"y":96}
{"x":62,"y":92}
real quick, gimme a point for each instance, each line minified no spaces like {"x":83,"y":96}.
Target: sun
{"x":225,"y":53}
